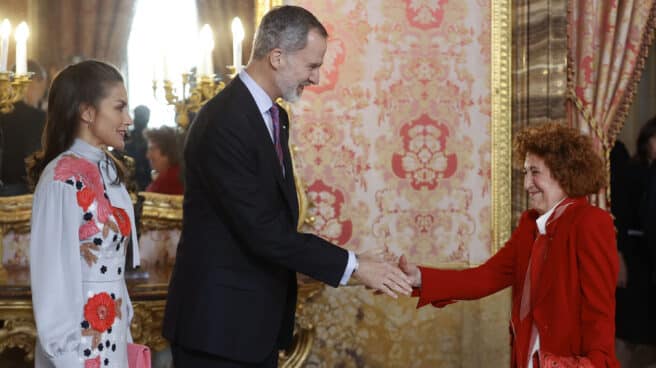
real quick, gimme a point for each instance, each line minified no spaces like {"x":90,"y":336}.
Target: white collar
{"x":261,"y":98}
{"x":542,"y":220}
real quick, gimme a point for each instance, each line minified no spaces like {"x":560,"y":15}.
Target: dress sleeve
{"x":598,"y":268}
{"x":56,"y":274}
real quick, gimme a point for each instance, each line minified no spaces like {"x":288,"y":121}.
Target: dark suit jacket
{"x":21,"y":136}
{"x":233,"y":288}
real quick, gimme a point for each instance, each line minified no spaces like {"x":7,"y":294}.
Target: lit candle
{"x":237,"y":37}
{"x":21,"y":48}
{"x":5,"y":31}
{"x":206,"y":66}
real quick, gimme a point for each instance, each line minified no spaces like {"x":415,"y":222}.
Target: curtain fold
{"x":608,"y":42}
{"x":84,"y":29}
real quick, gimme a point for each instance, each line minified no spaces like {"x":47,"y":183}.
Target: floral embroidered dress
{"x":81,"y":225}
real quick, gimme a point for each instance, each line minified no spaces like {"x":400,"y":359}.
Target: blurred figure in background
{"x":164,"y":157}
{"x":634,"y":206}
{"x":21,"y":133}
{"x":137,"y":146}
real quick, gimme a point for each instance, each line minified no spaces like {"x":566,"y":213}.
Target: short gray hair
{"x":285,"y":27}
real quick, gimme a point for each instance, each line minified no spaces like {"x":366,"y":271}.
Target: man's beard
{"x":289,"y":90}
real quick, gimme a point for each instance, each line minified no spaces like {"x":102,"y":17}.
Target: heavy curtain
{"x":608,"y":43}
{"x":82,"y":29}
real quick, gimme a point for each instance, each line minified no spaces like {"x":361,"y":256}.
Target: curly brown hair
{"x":569,"y":155}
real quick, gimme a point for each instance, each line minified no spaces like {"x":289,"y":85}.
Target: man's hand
{"x":411,"y":270}
{"x":381,"y":275}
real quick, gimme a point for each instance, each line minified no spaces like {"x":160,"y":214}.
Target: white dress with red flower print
{"x":81,"y":225}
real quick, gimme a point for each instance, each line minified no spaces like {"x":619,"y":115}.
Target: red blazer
{"x":167,"y":182}
{"x":573,"y":304}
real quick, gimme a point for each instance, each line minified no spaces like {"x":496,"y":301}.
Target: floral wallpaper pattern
{"x":394,"y":145}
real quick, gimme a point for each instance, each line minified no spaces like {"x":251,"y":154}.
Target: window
{"x":164,"y":35}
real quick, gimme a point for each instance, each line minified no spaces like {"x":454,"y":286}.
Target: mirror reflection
{"x":155,"y":44}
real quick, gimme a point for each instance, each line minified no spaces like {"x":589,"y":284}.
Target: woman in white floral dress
{"x":82,"y":221}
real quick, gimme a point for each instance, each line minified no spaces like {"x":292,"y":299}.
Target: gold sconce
{"x":12,"y":90}
{"x":205,"y":88}
{"x":13,"y":86}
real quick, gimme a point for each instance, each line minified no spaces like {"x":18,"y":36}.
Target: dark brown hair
{"x":83,"y":83}
{"x":569,"y":155}
{"x":166,"y":140}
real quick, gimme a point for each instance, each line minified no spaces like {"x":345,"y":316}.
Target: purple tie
{"x":275,"y":118}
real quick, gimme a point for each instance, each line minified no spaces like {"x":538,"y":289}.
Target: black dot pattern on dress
{"x":100,"y":347}
{"x":87,"y":352}
{"x":107,"y":344}
{"x":103,"y":269}
{"x":119,"y":270}
{"x":84,"y":324}
{"x":113,"y":347}
{"x":88,"y":216}
{"x":106,"y":361}
{"x":78,"y":185}
{"x":97,"y":241}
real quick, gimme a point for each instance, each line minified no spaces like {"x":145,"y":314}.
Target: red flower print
{"x":100,"y":311}
{"x":123,"y":220}
{"x":70,"y":166}
{"x":85,"y":197}
{"x":92,"y":363}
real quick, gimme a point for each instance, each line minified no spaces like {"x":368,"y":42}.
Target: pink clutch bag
{"x":138,"y":356}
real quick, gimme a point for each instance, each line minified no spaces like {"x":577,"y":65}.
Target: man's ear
{"x":275,"y":58}
{"x":87,"y":113}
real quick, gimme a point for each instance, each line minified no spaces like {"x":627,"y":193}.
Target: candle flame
{"x":237,"y":29}
{"x":22,"y":32}
{"x":5,"y":28}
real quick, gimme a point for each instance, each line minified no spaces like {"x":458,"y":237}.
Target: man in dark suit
{"x":232,"y":294}
{"x":21,"y":133}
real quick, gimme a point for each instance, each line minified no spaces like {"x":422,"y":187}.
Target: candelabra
{"x":12,"y":89}
{"x":205,"y":88}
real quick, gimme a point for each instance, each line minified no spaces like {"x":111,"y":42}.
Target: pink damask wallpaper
{"x":395,"y":150}
{"x":395,"y":143}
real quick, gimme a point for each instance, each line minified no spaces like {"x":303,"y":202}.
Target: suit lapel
{"x":264,"y":138}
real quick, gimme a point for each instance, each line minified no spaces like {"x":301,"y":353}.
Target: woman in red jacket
{"x":561,"y":261}
{"x":165,"y":160}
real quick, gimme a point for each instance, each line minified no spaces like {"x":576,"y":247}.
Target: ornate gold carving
{"x":15,"y":215}
{"x":19,"y":333}
{"x":501,"y":121}
{"x":304,"y":334}
{"x":206,"y":88}
{"x":19,"y":330}
{"x":12,"y":90}
{"x":146,"y":327}
{"x":161,"y":211}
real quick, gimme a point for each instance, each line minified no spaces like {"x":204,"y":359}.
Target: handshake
{"x":382,"y":271}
